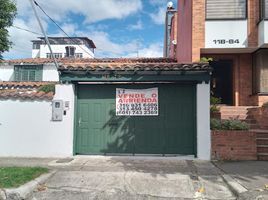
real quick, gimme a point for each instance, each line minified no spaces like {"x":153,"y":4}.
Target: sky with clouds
{"x":118,"y":27}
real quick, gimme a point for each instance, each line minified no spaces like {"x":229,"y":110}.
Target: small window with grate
{"x":226,"y":9}
{"x":28,"y":72}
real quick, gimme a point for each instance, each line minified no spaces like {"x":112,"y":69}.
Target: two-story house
{"x":234,"y":34}
{"x":78,"y":47}
{"x":44,"y":70}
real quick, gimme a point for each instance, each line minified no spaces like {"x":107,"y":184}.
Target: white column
{"x":203,"y":121}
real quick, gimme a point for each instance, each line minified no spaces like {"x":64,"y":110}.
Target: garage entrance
{"x":100,"y":131}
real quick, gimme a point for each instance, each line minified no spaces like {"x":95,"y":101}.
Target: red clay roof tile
{"x":24,"y":91}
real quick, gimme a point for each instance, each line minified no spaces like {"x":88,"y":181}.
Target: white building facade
{"x":83,"y":47}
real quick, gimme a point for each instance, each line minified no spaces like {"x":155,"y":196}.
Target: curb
{"x":23,"y":191}
{"x":234,"y":186}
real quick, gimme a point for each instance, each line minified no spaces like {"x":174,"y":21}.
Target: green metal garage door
{"x":100,"y":131}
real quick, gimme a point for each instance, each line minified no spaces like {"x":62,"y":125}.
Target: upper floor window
{"x":36,"y":45}
{"x":226,"y":9}
{"x":56,"y":55}
{"x":28,"y":72}
{"x":78,"y":55}
{"x":263,"y":9}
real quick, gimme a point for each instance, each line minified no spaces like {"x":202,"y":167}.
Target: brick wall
{"x":262,"y":100}
{"x":261,"y":116}
{"x":233,"y":145}
{"x":244,"y":78}
{"x":253,"y":17}
{"x":198,"y":29}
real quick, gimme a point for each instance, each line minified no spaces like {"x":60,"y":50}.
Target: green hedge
{"x":230,"y":124}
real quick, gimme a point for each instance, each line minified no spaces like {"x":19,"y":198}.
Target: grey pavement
{"x":99,"y":177}
{"x":253,"y":175}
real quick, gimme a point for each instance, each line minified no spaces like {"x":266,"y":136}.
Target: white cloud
{"x":92,"y":10}
{"x":106,"y":47}
{"x":153,"y":50}
{"x":137,"y":26}
{"x":22,"y":45}
{"x":159,"y":16}
{"x":69,"y":28}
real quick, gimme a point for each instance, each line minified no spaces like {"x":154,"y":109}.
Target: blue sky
{"x":118,"y":27}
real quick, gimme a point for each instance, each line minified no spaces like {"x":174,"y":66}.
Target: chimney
{"x":70,"y":51}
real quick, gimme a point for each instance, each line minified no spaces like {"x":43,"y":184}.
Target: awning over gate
{"x":140,"y":69}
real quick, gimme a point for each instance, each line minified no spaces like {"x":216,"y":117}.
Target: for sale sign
{"x":137,"y":102}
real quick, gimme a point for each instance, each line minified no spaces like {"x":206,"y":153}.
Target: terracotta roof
{"x":90,"y":60}
{"x":134,"y":67}
{"x":10,"y":84}
{"x":136,"y":64}
{"x":29,"y":61}
{"x":24,"y":91}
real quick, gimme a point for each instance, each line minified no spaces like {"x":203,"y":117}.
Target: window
{"x":263,"y":9}
{"x":78,"y":55}
{"x":226,"y":9}
{"x":260,"y":71}
{"x":56,"y":55}
{"x":28,"y":72}
{"x":36,"y":45}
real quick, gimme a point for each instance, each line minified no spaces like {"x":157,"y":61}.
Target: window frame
{"x":226,"y":19}
{"x":20,"y":71}
{"x":78,"y":55}
{"x":256,"y":75}
{"x":36,"y":46}
{"x":262,"y":10}
{"x":56,"y":55}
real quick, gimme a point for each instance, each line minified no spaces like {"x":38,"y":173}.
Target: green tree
{"x":8,"y":12}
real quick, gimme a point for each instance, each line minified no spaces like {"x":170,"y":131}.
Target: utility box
{"x":57,"y":110}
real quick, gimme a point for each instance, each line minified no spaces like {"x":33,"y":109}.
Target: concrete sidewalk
{"x":253,"y":175}
{"x":99,"y":177}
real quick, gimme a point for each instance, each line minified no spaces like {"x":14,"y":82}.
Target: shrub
{"x":214,"y":102}
{"x":230,"y":124}
{"x":205,"y":60}
{"x":215,"y":124}
{"x":47,"y":88}
{"x":265,"y":105}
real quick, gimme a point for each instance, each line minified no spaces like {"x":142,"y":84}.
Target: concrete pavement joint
{"x":233,"y":185}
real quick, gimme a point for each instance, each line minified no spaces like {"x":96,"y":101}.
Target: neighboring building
{"x":170,"y":31}
{"x":234,"y":33}
{"x":78,"y":47}
{"x":28,"y":70}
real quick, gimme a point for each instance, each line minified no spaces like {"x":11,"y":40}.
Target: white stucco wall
{"x":203,"y":122}
{"x":6,"y":72}
{"x":50,"y":73}
{"x":226,"y":30}
{"x":26,"y":129}
{"x":87,"y":53}
{"x":35,"y":53}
